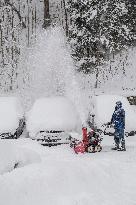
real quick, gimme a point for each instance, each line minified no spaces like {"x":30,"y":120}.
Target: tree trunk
{"x":66,"y":17}
{"x":46,"y":14}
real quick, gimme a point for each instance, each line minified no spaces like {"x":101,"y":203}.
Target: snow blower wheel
{"x":93,"y":149}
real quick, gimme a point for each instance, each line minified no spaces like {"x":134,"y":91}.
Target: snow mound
{"x":104,"y":108}
{"x":13,"y":156}
{"x":10,"y":113}
{"x":53,"y":113}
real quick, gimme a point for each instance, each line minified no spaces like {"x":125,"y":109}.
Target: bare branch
{"x":7,"y":2}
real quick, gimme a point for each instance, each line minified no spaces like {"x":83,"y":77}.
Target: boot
{"x":123,"y":147}
{"x":116,"y":147}
{"x":117,"y":142}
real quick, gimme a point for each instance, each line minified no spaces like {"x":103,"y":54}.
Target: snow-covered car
{"x":104,"y":106}
{"x":11,"y":117}
{"x":132,"y":99}
{"x":51,"y":120}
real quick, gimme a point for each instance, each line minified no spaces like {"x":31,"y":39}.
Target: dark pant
{"x":119,"y":137}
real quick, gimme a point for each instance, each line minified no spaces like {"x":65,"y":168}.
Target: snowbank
{"x":104,"y":108}
{"x":13,"y":156}
{"x":53,"y":113}
{"x":63,"y":178}
{"x":10,"y":113}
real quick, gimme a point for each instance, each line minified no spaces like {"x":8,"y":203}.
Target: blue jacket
{"x":118,"y":118}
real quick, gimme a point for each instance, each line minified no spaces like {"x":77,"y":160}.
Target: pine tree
{"x":131,"y":20}
{"x":100,"y":28}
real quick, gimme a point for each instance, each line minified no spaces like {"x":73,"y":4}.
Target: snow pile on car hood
{"x":104,"y":108}
{"x":10,"y":113}
{"x":53,"y":113}
{"x":13,"y":156}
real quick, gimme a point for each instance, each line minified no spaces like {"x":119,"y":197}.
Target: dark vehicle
{"x":51,"y":121}
{"x":53,"y":138}
{"x":12,"y":120}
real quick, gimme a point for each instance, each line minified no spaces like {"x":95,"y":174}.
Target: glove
{"x":109,"y":123}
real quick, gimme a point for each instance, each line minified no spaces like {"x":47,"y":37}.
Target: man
{"x":118,"y":120}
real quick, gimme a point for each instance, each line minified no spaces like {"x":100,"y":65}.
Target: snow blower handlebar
{"x":107,"y":124}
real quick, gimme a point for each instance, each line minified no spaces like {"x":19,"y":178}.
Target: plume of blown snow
{"x":50,"y":70}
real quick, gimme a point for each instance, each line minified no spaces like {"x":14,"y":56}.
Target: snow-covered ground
{"x":62,"y":177}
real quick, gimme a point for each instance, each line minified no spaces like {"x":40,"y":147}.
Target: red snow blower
{"x":91,"y":142}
